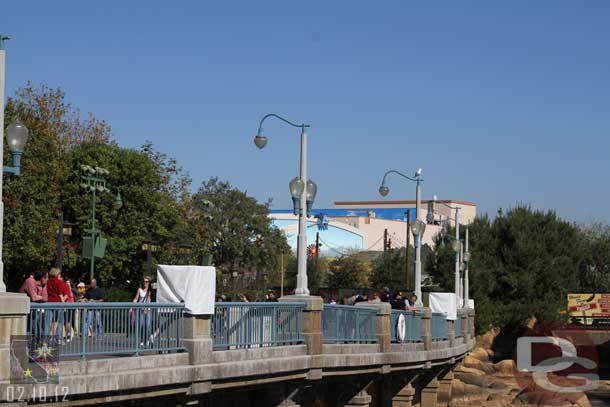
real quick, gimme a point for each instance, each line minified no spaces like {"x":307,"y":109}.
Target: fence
{"x":458,"y":326}
{"x":349,"y":324}
{"x":106,"y":328}
{"x":438,"y":326}
{"x":238,"y":325}
{"x":412,"y":325}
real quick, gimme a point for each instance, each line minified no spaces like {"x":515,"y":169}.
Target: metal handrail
{"x":349,"y":324}
{"x":107,"y":328}
{"x":413,"y":322}
{"x":239,"y":325}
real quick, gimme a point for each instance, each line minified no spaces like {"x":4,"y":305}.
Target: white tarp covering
{"x":193,"y":285}
{"x":444,"y":303}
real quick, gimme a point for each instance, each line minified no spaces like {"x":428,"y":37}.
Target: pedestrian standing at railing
{"x":94,"y":318}
{"x":412,"y":303}
{"x":35,"y":286}
{"x":143,"y":315}
{"x":57,"y":291}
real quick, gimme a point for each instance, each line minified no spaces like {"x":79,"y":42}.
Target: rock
{"x":582,"y":401}
{"x":474,"y":379}
{"x":469,"y":370}
{"x":460,"y":389}
{"x":473,"y":363}
{"x":486,"y":340}
{"x":480,"y":354}
{"x":505,"y":367}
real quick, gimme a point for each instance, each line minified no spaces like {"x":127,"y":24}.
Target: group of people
{"x":269,"y":297}
{"x":397,"y":300}
{"x":49,"y":286}
{"x":63,"y":323}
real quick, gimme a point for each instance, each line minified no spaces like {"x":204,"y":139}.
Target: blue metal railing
{"x":458,"y":326}
{"x":412,"y":322}
{"x":107,"y":328}
{"x":349,"y":324}
{"x":438,"y":326}
{"x":238,"y":325}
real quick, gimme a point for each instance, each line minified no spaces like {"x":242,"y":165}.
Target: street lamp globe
{"x":16,"y":136}
{"x":296,"y":187}
{"x":118,"y":202}
{"x":260,"y":141}
{"x":467,"y":257}
{"x":312,"y":190}
{"x":384,"y":190}
{"x":418,"y":227}
{"x":456,"y":245}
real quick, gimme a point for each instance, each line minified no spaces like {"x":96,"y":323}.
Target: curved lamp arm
{"x":260,"y":126}
{"x":401,"y":174}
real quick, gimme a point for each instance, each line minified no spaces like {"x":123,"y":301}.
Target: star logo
{"x":44,"y":351}
{"x":27,"y":372}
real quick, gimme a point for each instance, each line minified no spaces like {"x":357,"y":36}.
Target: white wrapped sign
{"x":195,"y":286}
{"x":445,"y":304}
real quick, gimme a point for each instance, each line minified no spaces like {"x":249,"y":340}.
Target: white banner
{"x":445,"y":304}
{"x":195,"y":286}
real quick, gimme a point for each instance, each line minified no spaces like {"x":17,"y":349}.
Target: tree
{"x":147,"y":210}
{"x":524,"y":263}
{"x":33,"y":200}
{"x":236,"y":229}
{"x":389,"y":270}
{"x":349,"y":271}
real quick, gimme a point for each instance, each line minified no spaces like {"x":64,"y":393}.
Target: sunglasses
{"x":146,"y":281}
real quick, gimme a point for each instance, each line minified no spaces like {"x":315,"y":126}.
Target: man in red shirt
{"x":57,"y":291}
{"x":33,"y":286}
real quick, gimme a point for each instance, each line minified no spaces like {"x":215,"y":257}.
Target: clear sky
{"x":498,"y":101}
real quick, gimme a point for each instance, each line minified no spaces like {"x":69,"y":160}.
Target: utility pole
{"x":409,"y":286}
{"x":317,"y":253}
{"x":282,"y":275}
{"x":60,"y":241}
{"x":385,"y":240}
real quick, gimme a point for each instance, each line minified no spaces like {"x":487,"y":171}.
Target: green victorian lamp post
{"x":94,"y":181}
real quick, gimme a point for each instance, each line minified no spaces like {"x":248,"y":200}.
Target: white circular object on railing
{"x":401,"y":328}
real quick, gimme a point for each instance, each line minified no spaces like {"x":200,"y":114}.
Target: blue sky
{"x":498,"y":102}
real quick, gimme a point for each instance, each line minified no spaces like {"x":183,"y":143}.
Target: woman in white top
{"x":143,"y":295}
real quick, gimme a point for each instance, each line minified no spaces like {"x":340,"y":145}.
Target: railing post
{"x":14,"y":310}
{"x":311,"y":330}
{"x":383,"y":317}
{"x":465,"y":325}
{"x":451,"y":332}
{"x":197,"y":338}
{"x":426,"y":328}
{"x":471,"y":326}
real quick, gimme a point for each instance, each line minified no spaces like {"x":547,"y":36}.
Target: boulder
{"x":469,"y":370}
{"x":476,"y":380}
{"x":505,"y":367}
{"x":480,"y":354}
{"x":473,"y":363}
{"x":460,"y":389}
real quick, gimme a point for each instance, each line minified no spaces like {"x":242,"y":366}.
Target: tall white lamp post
{"x":303,"y":194}
{"x":456,"y":245}
{"x":16,"y":137}
{"x":417,"y":226}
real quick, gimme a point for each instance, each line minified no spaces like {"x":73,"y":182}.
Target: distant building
{"x":361,"y":225}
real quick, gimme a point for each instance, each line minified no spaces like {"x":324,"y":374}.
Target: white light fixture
{"x":16,"y":136}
